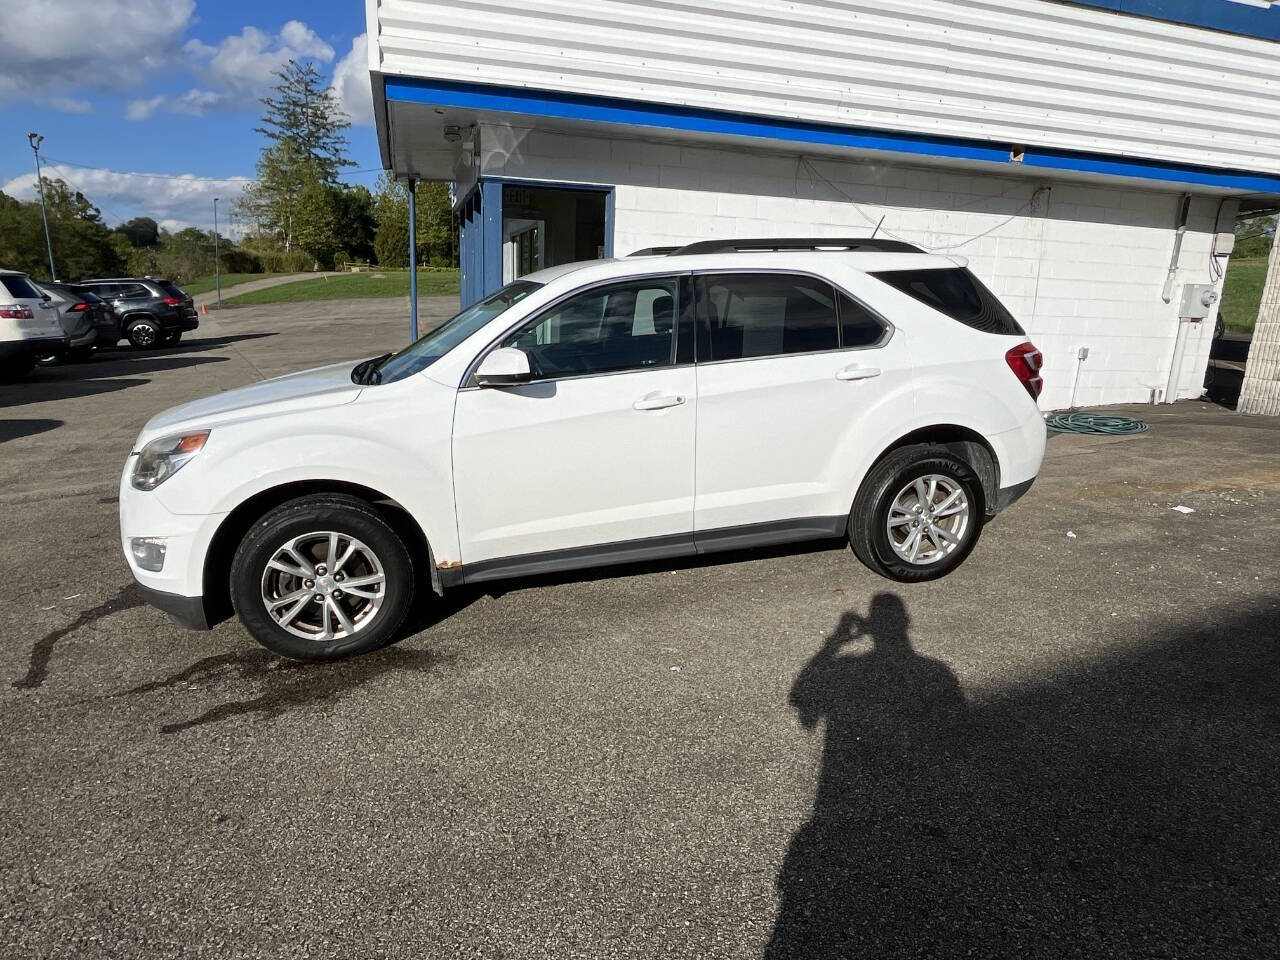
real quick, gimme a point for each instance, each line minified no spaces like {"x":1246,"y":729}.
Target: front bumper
{"x":189,"y":612}
{"x":178,"y":587}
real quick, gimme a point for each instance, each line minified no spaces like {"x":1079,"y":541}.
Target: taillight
{"x":16,"y":311}
{"x":79,"y":307}
{"x":1025,"y":361}
{"x":172,"y":301}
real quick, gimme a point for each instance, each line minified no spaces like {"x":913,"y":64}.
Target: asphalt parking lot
{"x":1068,"y":748}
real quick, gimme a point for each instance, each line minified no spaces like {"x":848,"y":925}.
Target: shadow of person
{"x":856,"y":878}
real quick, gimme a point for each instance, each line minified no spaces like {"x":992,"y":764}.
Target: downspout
{"x":413,"y":260}
{"x":1180,"y":342}
{"x":1184,"y":209}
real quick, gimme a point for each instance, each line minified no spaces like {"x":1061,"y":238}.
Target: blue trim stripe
{"x":567,"y":106}
{"x":1222,"y":15}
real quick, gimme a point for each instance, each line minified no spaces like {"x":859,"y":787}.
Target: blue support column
{"x":413,"y":260}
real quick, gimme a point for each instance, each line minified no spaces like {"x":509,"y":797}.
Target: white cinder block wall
{"x":1079,"y":265}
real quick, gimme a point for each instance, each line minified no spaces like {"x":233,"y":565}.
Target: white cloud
{"x":70,"y":105}
{"x":351,"y":82}
{"x":175,"y":201}
{"x":141,"y":109}
{"x":49,"y":49}
{"x":237,"y":71}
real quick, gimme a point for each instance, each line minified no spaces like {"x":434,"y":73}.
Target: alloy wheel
{"x":323,"y":586}
{"x":928,"y":519}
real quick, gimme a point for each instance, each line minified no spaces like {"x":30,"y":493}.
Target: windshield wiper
{"x":366,"y":371}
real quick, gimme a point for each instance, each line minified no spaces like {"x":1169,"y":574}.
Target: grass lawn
{"x":208,"y":284}
{"x":354,"y":286}
{"x":1243,"y":293}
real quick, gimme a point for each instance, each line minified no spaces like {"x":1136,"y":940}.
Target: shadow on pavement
{"x":1125,"y":808}
{"x":279,"y":685}
{"x":44,"y":391}
{"x":126,"y":353}
{"x":15,"y":429}
{"x":1225,"y":374}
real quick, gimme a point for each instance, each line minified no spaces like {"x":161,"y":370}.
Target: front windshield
{"x":428,"y":349}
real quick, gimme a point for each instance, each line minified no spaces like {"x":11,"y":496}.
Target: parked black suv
{"x":151,"y":310}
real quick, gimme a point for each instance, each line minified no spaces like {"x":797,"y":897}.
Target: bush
{"x":291,"y":261}
{"x":340,"y":259}
{"x":235,"y":260}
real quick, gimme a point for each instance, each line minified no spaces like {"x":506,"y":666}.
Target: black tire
{"x":51,"y":359}
{"x":15,"y":368}
{"x":349,"y":517}
{"x":144,"y":334}
{"x":868,"y":520}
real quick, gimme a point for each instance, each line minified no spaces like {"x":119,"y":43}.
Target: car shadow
{"x":1124,"y":807}
{"x":48,"y":390}
{"x":125,"y":352}
{"x":16,"y":429}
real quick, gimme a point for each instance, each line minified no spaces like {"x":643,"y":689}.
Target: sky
{"x":167,"y":88}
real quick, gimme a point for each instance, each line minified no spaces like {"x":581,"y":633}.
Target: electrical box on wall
{"x":1197,"y":300}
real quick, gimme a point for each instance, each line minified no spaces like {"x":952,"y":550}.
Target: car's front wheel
{"x":322,"y":577}
{"x":918,"y":514}
{"x":144,"y":334}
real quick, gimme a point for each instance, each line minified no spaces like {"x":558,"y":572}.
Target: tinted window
{"x":623,"y":326}
{"x":427,"y":349}
{"x":763,"y":315}
{"x":21,"y":288}
{"x":172,"y":289}
{"x":134,"y":291}
{"x":859,"y":327}
{"x":957,"y":293}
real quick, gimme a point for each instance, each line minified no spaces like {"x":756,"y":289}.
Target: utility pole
{"x":413,"y":260}
{"x":35,"y":140}
{"x":217,"y":264}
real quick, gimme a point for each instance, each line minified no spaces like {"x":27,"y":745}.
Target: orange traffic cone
{"x":204,"y":310}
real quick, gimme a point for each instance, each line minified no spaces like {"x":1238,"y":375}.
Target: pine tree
{"x":306,"y":114}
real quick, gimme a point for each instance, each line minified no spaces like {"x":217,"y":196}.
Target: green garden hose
{"x":1074,"y":421}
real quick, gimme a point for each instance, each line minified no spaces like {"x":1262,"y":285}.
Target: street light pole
{"x":413,"y":259}
{"x":217,"y":264}
{"x":35,"y":140}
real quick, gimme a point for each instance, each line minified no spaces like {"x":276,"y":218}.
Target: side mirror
{"x":504,"y":367}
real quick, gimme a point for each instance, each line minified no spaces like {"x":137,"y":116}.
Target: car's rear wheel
{"x":322,"y":577}
{"x":918,"y":514}
{"x":144,"y":334}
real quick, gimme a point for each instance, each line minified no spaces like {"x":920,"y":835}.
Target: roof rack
{"x":654,"y":252}
{"x":816,"y":243}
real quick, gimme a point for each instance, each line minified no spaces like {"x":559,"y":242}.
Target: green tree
{"x":82,"y":244}
{"x":436,"y":227}
{"x":140,"y":232}
{"x":314,"y":221}
{"x":354,"y":225}
{"x":305,"y":114}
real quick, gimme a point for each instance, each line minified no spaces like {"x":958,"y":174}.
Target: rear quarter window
{"x":21,"y":288}
{"x":957,"y":293}
{"x":172,"y":290}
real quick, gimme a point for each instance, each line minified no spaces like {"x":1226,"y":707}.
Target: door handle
{"x":855,"y":372}
{"x":657,"y":402}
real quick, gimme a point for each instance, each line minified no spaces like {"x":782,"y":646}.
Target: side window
{"x":107,"y":291}
{"x":859,"y":327}
{"x":761,"y":315}
{"x":134,"y":291}
{"x":623,"y":326}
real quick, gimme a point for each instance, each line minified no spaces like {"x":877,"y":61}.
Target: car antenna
{"x":877,"y":229}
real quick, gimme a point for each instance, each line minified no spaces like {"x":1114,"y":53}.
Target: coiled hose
{"x":1074,"y":421}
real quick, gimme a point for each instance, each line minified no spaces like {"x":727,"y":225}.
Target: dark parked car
{"x":151,"y":310}
{"x":86,"y":319}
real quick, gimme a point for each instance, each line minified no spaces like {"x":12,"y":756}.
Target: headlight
{"x":161,"y":459}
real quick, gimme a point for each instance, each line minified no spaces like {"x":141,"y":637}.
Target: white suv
{"x":29,"y":325}
{"x":724,"y":395}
